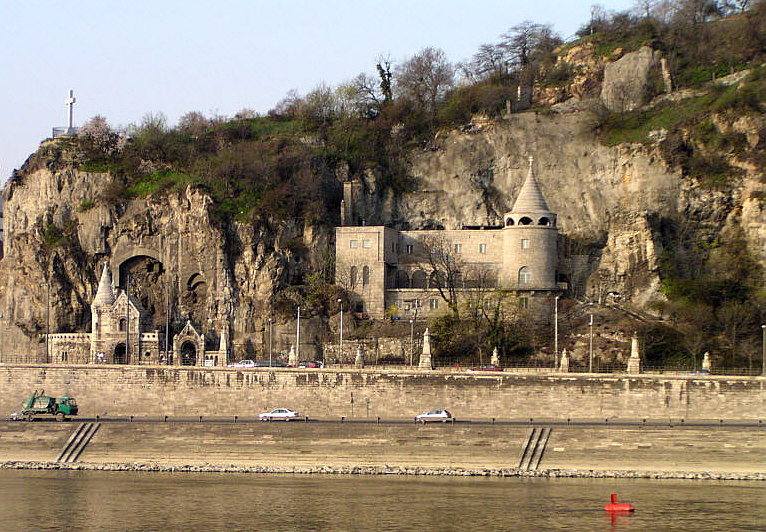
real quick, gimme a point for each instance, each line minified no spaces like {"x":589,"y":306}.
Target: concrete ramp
{"x":77,"y":442}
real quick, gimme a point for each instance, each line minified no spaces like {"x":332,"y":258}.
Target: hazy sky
{"x":129,"y":58}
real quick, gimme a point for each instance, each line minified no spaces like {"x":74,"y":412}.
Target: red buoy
{"x":620,"y":507}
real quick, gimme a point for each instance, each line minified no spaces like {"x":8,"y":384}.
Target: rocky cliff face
{"x":611,"y":204}
{"x":179,"y":260}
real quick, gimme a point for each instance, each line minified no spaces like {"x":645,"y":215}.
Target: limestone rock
{"x":627,"y":81}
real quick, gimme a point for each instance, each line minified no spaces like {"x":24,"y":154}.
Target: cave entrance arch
{"x":120,"y":355}
{"x":149,"y":284}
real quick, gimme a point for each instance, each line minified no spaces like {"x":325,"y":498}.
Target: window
{"x":393,"y":247}
{"x":365,"y":276}
{"x":353,"y":276}
{"x":415,"y":303}
{"x":408,"y":247}
{"x":482,"y":248}
{"x":524,"y":302}
{"x":353,"y":244}
{"x":525,"y":275}
{"x":366,"y":244}
{"x":121,"y":326}
{"x":524,"y":243}
{"x":458,"y":248}
{"x":419,"y":279}
{"x":433,"y":304}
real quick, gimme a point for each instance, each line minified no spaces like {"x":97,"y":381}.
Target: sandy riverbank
{"x":394,"y":448}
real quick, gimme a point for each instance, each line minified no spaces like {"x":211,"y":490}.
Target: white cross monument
{"x":70,"y":105}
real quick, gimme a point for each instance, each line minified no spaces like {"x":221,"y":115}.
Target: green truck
{"x":40,"y":404}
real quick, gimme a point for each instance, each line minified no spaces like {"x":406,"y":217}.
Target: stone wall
{"x":331,"y":393}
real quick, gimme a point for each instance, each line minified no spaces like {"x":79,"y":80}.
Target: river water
{"x":123,"y":501}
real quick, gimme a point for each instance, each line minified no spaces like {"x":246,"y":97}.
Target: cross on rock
{"x":70,"y":104}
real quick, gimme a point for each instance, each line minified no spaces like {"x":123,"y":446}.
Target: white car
{"x":278,"y":414}
{"x":434,"y":415}
{"x":243,"y":364}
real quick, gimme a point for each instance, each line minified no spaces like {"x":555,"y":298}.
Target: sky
{"x":126,"y":59}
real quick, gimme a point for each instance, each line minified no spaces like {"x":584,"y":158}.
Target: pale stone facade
{"x":389,"y":274}
{"x":118,"y":337}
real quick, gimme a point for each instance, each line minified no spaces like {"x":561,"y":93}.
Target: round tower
{"x":530,"y":237}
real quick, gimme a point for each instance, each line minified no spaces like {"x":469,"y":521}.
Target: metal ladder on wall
{"x":77,"y":442}
{"x":534,"y":447}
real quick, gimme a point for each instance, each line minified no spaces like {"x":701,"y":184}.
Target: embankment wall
{"x":369,"y":393}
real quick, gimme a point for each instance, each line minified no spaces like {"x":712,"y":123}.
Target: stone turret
{"x":104,"y":294}
{"x":530,"y":207}
{"x":100,"y":312}
{"x":530,"y":239}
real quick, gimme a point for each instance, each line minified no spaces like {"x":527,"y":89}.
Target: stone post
{"x":359,"y":359}
{"x":634,"y":362}
{"x":495,"y":357}
{"x":706,"y":361}
{"x":223,"y":350}
{"x":292,"y":357}
{"x":564,"y":364}
{"x":425,"y":357}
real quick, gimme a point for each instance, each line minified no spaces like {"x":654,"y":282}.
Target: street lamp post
{"x":48,"y":322}
{"x":298,"y":336}
{"x":412,"y":339}
{"x":763,"y":349}
{"x":590,"y":360}
{"x":556,"y":331}
{"x":340,"y":338}
{"x":269,"y":342}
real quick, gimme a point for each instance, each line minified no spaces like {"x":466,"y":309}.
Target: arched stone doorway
{"x":188,"y":354}
{"x":188,"y":347}
{"x":120,"y":356}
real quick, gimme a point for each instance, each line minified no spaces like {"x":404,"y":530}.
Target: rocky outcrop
{"x":222,"y":278}
{"x":628,"y":81}
{"x":623,"y":192}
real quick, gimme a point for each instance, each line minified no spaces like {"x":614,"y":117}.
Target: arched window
{"x":525,"y":275}
{"x":472,"y":279}
{"x":419,"y":279}
{"x":526,"y":220}
{"x":544,"y":221}
{"x":508,"y":221}
{"x":122,"y":324}
{"x":402,"y":279}
{"x":457,"y":278}
{"x":365,"y":276}
{"x":490,"y":279}
{"x":353,"y":276}
{"x":436,"y":280}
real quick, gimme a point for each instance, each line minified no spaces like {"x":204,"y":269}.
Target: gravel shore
{"x":383,"y":470}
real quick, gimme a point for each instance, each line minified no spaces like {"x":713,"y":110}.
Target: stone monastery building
{"x":389,"y":273}
{"x":119,"y":337}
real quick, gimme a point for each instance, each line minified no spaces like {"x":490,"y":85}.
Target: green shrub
{"x":86,"y":205}
{"x":158,"y":181}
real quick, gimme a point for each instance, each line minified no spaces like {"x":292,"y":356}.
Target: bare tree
{"x":490,"y":60}
{"x":446,"y":267}
{"x":525,"y":42}
{"x":425,"y":78}
{"x":734,"y":316}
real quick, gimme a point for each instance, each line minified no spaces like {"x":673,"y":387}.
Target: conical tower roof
{"x":104,"y":294}
{"x":530,"y":198}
